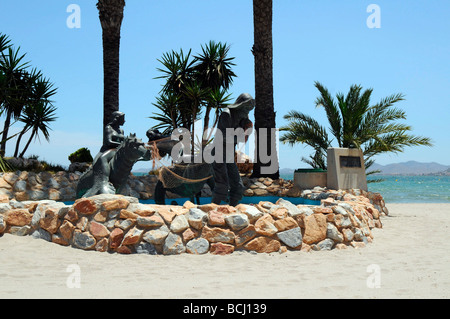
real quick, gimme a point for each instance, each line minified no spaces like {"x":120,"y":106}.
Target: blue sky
{"x":326,"y":41}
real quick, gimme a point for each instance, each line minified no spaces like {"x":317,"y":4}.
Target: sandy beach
{"x":409,"y":258}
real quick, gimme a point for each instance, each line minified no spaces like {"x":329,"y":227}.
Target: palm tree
{"x":213,"y":71}
{"x":15,"y":87}
{"x":190,"y":85}
{"x":111,"y":16}
{"x":42,"y":91}
{"x":264,"y":105}
{"x":353,"y":123}
{"x":36,"y":117}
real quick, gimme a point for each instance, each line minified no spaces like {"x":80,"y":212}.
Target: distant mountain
{"x":410,"y":168}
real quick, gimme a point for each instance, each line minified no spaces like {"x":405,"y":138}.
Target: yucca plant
{"x":353,"y":123}
{"x":193,"y":84}
{"x":37,"y":117}
{"x":15,"y":88}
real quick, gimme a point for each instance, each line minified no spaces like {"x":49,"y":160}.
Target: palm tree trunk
{"x":110,"y":15}
{"x":5,"y":132}
{"x":16,"y":151}
{"x":264,"y":105}
{"x":205,"y":126}
{"x":28,"y":144}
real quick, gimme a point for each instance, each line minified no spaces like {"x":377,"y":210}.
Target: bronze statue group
{"x":113,"y":164}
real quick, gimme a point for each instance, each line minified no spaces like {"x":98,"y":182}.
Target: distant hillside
{"x":410,"y":168}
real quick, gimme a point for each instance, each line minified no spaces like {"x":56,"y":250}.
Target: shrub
{"x":81,"y":155}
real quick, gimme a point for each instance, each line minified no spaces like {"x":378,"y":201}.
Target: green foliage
{"x":81,"y":155}
{"x":353,"y":123}
{"x":193,"y":85}
{"x":25,"y":96}
{"x":4,"y":166}
{"x":32,"y":164}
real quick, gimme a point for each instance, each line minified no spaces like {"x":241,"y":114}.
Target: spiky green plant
{"x":353,"y":123}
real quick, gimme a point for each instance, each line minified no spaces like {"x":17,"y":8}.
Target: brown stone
{"x":348,"y":234}
{"x":261,"y":208}
{"x":260,"y":192}
{"x":152,"y":221}
{"x":328,"y":202}
{"x":227,"y":209}
{"x":115,"y":204}
{"x":208,"y":207}
{"x":115,"y":238}
{"x":214,"y":235}
{"x":263,"y":245}
{"x":265,"y":226}
{"x":377,"y":223}
{"x":330,"y":217}
{"x":177,"y":210}
{"x":85,"y":206}
{"x":221,"y":249}
{"x":167,"y":215}
{"x":294,"y":192}
{"x":300,"y":219}
{"x":279,"y":212}
{"x":82,"y":224}
{"x":146,"y":211}
{"x":372,"y":210}
{"x":268,"y":182}
{"x":305,"y":248}
{"x":189,"y":234}
{"x":216,"y":218}
{"x":21,"y":196}
{"x":71,"y":215}
{"x":4,"y":184}
{"x":67,"y":229}
{"x":101,"y":217}
{"x":98,"y":230}
{"x":126,"y":214}
{"x":18,"y":217}
{"x":102,"y":245}
{"x":132,"y":237}
{"x":315,"y":228}
{"x":50,"y":221}
{"x":60,"y":240}
{"x":285,"y":224}
{"x":188,"y":204}
{"x":4,"y":198}
{"x":124,"y":250}
{"x":245,"y":235}
{"x":322,"y":210}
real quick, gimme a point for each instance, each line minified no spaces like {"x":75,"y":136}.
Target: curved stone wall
{"x":115,"y":223}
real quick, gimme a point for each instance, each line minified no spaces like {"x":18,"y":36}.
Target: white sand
{"x":412,"y":253}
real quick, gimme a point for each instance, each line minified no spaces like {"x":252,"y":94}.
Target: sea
{"x":409,"y":189}
{"x":405,"y":188}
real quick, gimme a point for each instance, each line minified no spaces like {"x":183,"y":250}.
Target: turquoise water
{"x":410,"y":189}
{"x":413,"y":189}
